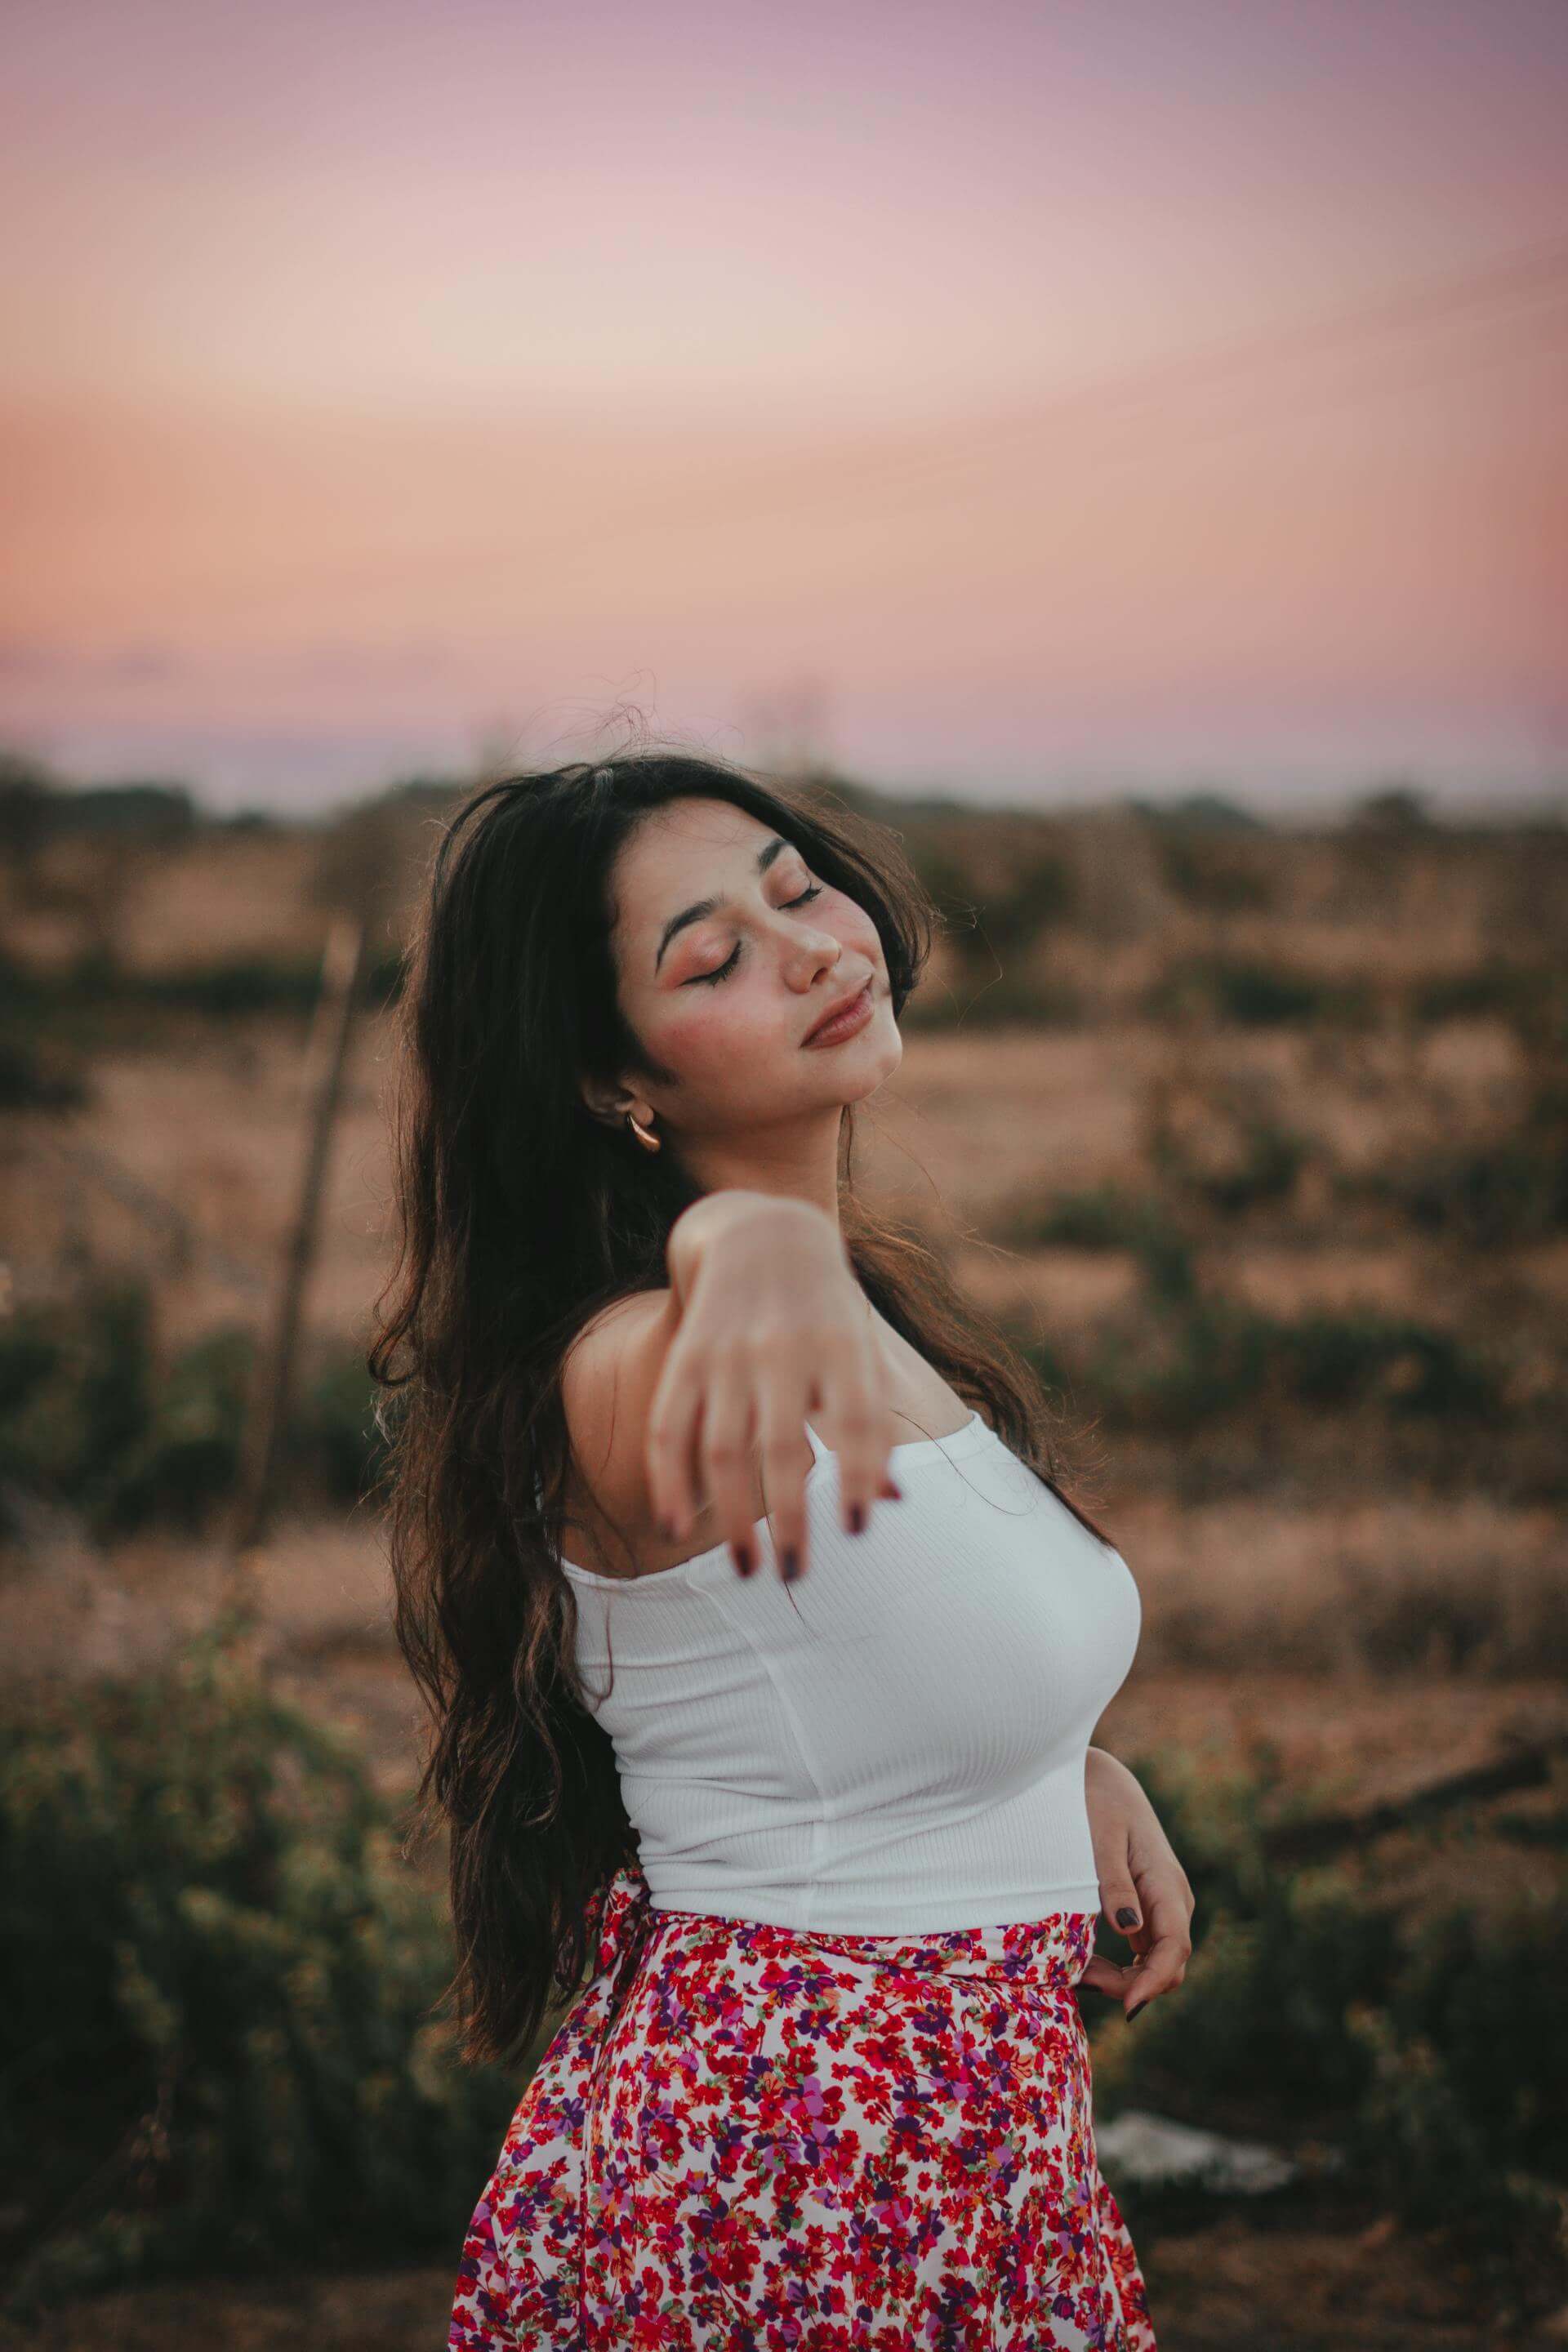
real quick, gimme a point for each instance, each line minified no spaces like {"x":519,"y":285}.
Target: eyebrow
{"x":694,"y":913}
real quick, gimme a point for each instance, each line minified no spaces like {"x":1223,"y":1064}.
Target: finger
{"x":1167,"y":1911}
{"x":1119,"y":1900}
{"x":1161,"y":1881}
{"x":726,"y":1452}
{"x":787,"y":1459}
{"x":863,"y":1433}
{"x":1159,"y":1970}
{"x":670,"y":1449}
{"x":786,"y":1454}
{"x":1108,"y":1975}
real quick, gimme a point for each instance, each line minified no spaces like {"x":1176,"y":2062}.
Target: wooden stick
{"x":320,"y":1087}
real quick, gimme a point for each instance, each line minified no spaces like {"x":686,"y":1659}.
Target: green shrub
{"x":76,"y":1391}
{"x":333,"y":1430}
{"x":1533,"y":998}
{"x":1102,"y":1218}
{"x":1184,"y":1361}
{"x":35,"y":1075}
{"x":222,"y":990}
{"x":1188,"y":1357}
{"x":1511,"y":1189}
{"x":88,"y":1416}
{"x":1329,"y":1361}
{"x":1215,"y":872}
{"x":1039,"y":893}
{"x":217,"y":2041}
{"x":235,"y":985}
{"x":1427,"y":2056}
{"x":187,"y":1456}
{"x":1256,"y":995}
{"x":1261,"y":1170}
{"x":383,"y":978}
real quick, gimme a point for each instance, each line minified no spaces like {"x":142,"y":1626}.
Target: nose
{"x":818,"y":951}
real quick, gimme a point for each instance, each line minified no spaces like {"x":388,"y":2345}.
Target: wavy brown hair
{"x":519,"y":1216}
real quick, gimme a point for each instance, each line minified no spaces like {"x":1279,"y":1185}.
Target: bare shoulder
{"x":607,"y":1383}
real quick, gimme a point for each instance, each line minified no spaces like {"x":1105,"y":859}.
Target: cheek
{"x":861,"y":933}
{"x":711,"y":1031}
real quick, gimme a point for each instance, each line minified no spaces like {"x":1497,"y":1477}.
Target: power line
{"x":1531,"y":279}
{"x":1539,"y":276}
{"x":948,"y":469}
{"x":1538,"y":271}
{"x":1306,"y":403}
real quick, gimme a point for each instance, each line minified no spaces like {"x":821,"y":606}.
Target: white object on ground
{"x":1145,"y":2146}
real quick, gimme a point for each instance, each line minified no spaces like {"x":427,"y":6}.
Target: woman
{"x":786,"y":1748}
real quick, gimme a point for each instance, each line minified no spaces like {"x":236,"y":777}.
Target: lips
{"x":834,"y":1011}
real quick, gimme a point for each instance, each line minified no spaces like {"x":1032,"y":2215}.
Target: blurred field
{"x":1256,"y":1140}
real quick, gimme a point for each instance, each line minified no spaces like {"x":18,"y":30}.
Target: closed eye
{"x":708,"y":978}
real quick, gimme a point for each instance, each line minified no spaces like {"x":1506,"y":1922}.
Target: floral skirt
{"x":753,"y":2138}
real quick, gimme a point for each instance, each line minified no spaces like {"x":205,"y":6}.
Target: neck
{"x":798,"y":1162}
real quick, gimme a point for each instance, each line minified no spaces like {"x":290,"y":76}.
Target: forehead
{"x":689,"y":849}
{"x":701,"y":842}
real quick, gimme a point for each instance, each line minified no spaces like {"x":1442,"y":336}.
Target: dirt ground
{"x":1346,"y":2279}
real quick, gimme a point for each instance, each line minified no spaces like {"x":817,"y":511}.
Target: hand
{"x":1139,"y":1874}
{"x":773,"y":1327}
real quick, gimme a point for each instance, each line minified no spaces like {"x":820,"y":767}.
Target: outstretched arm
{"x":1144,"y":1890}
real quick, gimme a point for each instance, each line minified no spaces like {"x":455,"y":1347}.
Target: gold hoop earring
{"x":649,"y":1142}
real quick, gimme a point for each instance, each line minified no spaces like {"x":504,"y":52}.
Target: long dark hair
{"x":520,"y":1214}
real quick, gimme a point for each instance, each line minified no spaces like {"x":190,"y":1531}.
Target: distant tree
{"x":362,"y":866}
{"x":29,"y":794}
{"x":426,"y":791}
{"x":1205,"y":812}
{"x":1218,"y":814}
{"x":1393,"y":808}
{"x":153,"y":812}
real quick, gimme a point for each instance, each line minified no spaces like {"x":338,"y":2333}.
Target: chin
{"x":886,"y":1065}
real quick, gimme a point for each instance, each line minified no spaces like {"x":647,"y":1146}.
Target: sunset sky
{"x":1015,"y":402}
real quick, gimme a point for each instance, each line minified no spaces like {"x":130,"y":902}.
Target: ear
{"x":601,"y":1101}
{"x":607,"y":1103}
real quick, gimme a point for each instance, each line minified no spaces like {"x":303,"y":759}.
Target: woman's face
{"x":722,"y":993}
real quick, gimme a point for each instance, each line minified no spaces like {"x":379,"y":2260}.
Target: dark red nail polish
{"x":1125,"y":1918}
{"x":791,"y":1561}
{"x":856,"y":1519}
{"x":744,"y":1559}
{"x":1137,"y":2006}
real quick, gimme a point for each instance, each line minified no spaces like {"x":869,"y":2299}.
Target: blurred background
{"x":1125,"y":452}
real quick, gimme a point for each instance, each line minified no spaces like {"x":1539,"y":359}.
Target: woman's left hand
{"x":1143,"y":1889}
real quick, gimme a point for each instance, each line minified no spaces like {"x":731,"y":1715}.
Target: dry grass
{"x":1397,"y":1586}
{"x":1329,"y":1612}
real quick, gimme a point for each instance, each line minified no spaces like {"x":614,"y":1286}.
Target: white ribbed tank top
{"x":892,"y":1744}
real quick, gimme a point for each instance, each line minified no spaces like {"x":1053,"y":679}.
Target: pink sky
{"x":385,"y":383}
